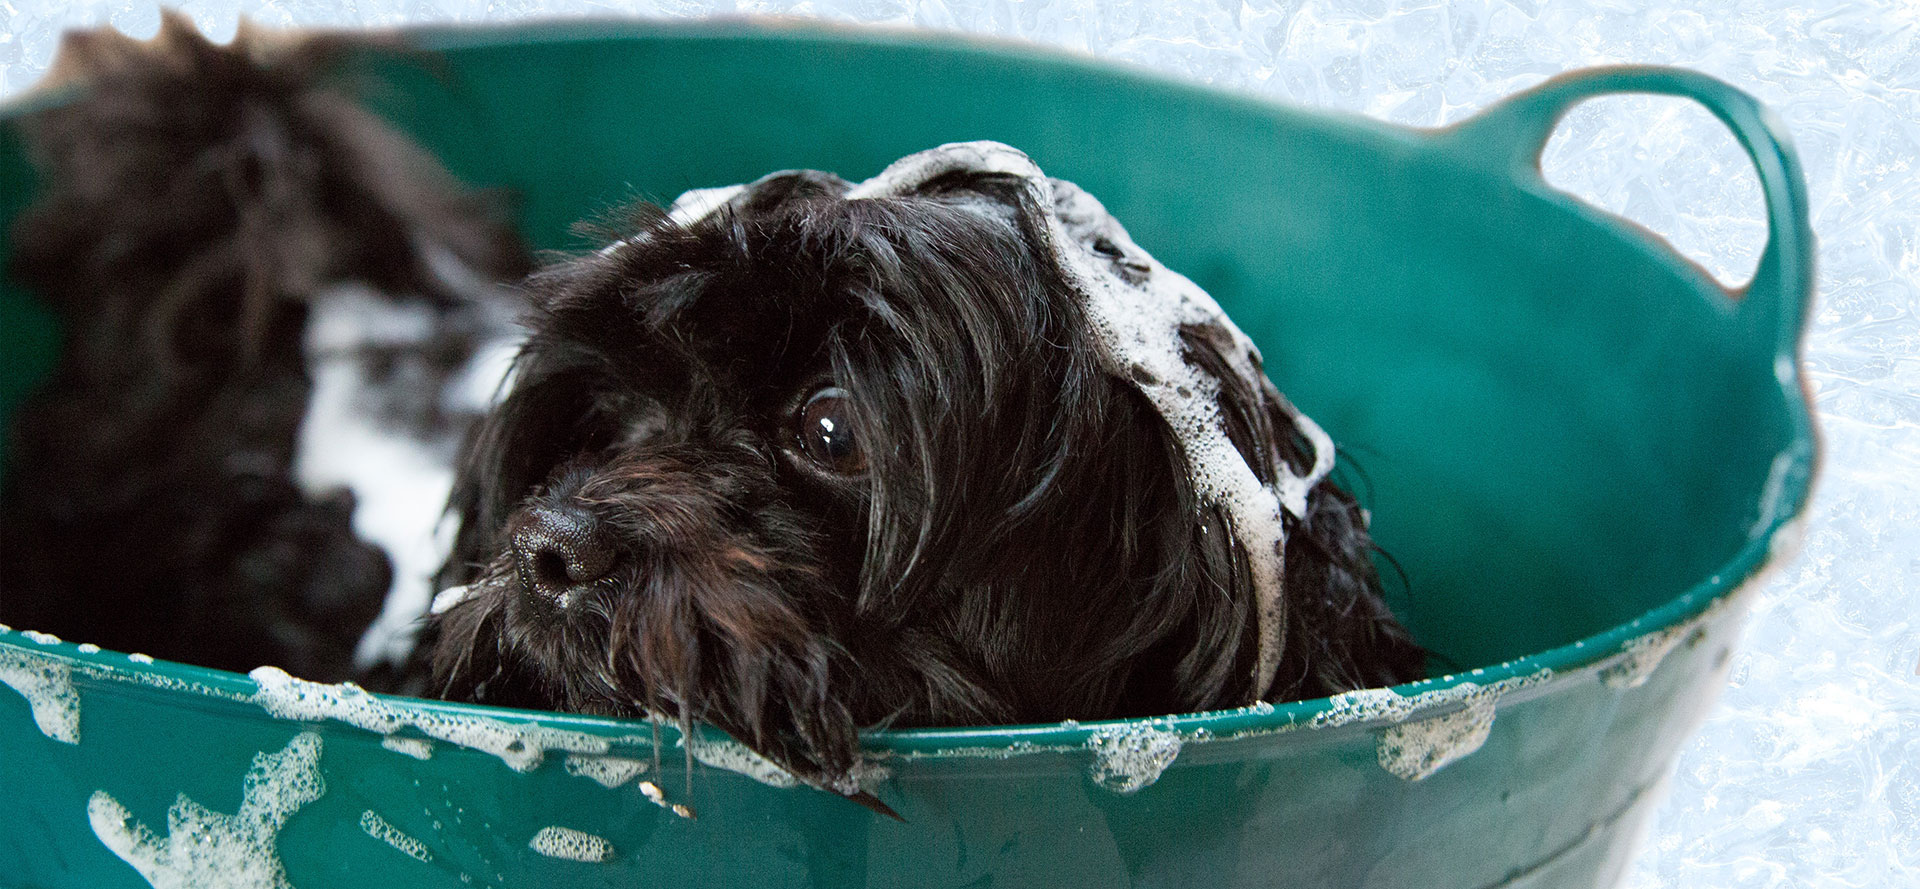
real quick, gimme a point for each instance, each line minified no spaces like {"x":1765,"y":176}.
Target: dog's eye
{"x":827,"y":435}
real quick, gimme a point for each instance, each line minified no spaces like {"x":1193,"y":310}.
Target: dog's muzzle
{"x":559,"y":552}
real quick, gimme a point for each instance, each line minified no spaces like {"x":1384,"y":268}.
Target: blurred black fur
{"x":192,"y":200}
{"x":643,"y":533}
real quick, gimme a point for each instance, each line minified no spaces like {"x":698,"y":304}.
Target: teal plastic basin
{"x":1581,"y":450}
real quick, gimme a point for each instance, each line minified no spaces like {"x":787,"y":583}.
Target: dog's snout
{"x":559,"y":549}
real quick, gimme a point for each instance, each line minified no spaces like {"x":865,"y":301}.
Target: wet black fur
{"x":1026,"y":546}
{"x":190,"y":202}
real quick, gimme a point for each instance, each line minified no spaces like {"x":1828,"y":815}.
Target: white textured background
{"x":1808,"y":773}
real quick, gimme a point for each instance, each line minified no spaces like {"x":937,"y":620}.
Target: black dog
{"x":944,"y":447}
{"x":270,"y":303}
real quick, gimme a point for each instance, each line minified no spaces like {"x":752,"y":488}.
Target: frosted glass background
{"x":1808,"y":773}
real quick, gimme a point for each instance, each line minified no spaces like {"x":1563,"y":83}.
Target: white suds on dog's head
{"x":570,"y":844}
{"x":400,"y":476}
{"x":701,"y":202}
{"x":1138,"y":309}
{"x":447,"y":598}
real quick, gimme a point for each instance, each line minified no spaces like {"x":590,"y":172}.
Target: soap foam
{"x":204,"y":849}
{"x":378,"y":828}
{"x":1385,"y":704}
{"x":1009,"y":750}
{"x":444,"y":600}
{"x":418,"y":748}
{"x":570,"y":844}
{"x":736,"y":757}
{"x":607,"y":771}
{"x":1417,"y":745}
{"x":47,"y":684}
{"x":154,"y":679}
{"x":700,"y":203}
{"x":522,"y":746}
{"x":1642,"y":655}
{"x":1129,"y":758}
{"x":1417,"y":749}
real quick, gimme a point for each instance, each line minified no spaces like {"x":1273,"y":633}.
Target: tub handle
{"x":1511,"y":135}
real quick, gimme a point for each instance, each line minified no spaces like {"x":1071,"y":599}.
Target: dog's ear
{"x":1340,"y":635}
{"x":1203,"y":612}
{"x":1258,"y":420}
{"x":1200,"y":609}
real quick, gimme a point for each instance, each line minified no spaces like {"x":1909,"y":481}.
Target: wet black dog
{"x":944,"y":447}
{"x":269,"y":303}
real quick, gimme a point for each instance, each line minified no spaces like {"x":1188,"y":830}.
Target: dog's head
{"x":942,"y":447}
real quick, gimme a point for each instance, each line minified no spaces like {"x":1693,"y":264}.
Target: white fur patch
{"x":400,"y":478}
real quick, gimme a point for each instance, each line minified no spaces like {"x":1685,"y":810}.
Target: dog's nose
{"x":559,"y":549}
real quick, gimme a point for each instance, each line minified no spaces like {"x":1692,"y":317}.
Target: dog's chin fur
{"x":1025,"y":544}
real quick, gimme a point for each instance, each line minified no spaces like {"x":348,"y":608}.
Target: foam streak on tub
{"x":204,"y":849}
{"x":48,"y":687}
{"x":522,"y":746}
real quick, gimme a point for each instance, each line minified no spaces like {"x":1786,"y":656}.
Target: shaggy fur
{"x":193,"y":202}
{"x":647,"y":529}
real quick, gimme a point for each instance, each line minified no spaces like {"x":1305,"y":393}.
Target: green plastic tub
{"x":1581,"y":449}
